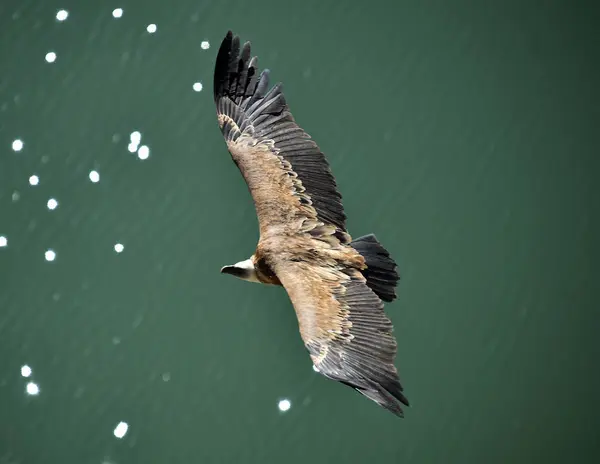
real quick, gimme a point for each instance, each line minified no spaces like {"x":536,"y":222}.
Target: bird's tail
{"x":381,"y":272}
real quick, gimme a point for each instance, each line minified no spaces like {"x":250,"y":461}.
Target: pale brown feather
{"x":276,"y":192}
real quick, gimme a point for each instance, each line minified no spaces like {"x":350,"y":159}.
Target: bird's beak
{"x":233,"y":270}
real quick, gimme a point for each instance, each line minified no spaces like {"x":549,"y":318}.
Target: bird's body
{"x":336,"y":285}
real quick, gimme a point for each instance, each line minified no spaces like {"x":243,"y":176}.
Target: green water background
{"x":464,"y":134}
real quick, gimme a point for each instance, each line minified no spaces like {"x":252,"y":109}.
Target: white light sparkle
{"x":197,"y":86}
{"x":94,"y":176}
{"x":62,"y":15}
{"x":205,"y":45}
{"x":284,"y":405}
{"x":50,"y":255}
{"x":3,"y":241}
{"x":119,"y":247}
{"x":151,"y":28}
{"x":143,"y":152}
{"x":17,"y":145}
{"x":50,"y":57}
{"x":135,"y":137}
{"x":117,"y":12}
{"x":121,"y":429}
{"x":32,"y":388}
{"x":52,"y":204}
{"x":25,"y":370}
{"x":34,"y":180}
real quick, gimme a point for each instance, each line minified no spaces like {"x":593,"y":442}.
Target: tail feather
{"x":381,"y":272}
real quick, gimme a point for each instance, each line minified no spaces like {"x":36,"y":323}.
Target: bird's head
{"x":243,"y":270}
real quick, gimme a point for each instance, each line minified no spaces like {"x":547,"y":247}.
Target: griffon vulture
{"x":337,"y":285}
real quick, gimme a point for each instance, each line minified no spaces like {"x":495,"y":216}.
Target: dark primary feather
{"x":241,"y":93}
{"x":381,"y":272}
{"x":364,"y":358}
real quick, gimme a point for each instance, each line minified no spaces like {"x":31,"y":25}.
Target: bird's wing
{"x":287,"y":174}
{"x":344,"y":327}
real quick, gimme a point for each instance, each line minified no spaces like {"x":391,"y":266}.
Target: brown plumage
{"x":336,"y":285}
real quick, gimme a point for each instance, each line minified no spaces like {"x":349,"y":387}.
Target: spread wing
{"x":287,"y":174}
{"x":345,"y":329}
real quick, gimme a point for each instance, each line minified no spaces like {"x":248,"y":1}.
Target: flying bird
{"x":337,"y":285}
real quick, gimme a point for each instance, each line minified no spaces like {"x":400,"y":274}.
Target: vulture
{"x":337,"y":285}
